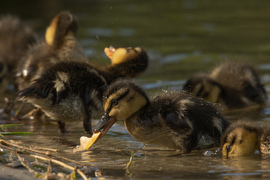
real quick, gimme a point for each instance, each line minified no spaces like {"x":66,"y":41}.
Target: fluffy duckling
{"x":72,"y":91}
{"x":15,"y":40}
{"x":60,"y":45}
{"x":175,"y":120}
{"x":244,"y":138}
{"x":233,"y":85}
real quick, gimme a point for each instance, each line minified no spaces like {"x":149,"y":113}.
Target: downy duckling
{"x":15,"y":40}
{"x":233,"y":85}
{"x":72,"y":91}
{"x":60,"y":45}
{"x":244,"y":138}
{"x":173,"y":119}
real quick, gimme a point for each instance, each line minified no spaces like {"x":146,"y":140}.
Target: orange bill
{"x":109,"y":51}
{"x":86,"y":142}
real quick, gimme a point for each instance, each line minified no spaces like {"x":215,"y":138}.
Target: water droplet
{"x":208,"y":153}
{"x":111,"y":7}
{"x":164,"y":90}
{"x":97,"y":37}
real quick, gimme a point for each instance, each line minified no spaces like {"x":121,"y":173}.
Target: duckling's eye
{"x":240,"y":141}
{"x":114,"y":102}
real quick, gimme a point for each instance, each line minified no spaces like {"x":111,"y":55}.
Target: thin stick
{"x":27,"y":167}
{"x":45,"y":159}
{"x":45,"y":149}
{"x":60,"y":163}
{"x":129,"y":163}
{"x":29,"y":114}
{"x":47,"y":153}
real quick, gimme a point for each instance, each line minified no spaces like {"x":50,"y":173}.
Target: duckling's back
{"x":64,"y":90}
{"x":180,"y":121}
{"x":241,"y":84}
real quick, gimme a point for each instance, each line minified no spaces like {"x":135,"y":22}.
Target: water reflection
{"x":181,"y":38}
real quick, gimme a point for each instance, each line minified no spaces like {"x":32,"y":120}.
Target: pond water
{"x":181,"y":37}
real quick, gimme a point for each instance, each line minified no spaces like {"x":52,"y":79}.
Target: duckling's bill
{"x":86,"y":143}
{"x":105,"y":123}
{"x":109,"y":51}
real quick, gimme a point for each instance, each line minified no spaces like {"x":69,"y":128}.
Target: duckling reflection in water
{"x":233,"y":85}
{"x":15,"y":40}
{"x":244,"y":138}
{"x":60,"y":45}
{"x":173,"y":119}
{"x":73,"y":91}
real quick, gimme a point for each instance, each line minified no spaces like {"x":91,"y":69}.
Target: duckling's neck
{"x":130,"y":68}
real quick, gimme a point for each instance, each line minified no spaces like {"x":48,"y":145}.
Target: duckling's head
{"x":61,"y":26}
{"x":121,"y":55}
{"x":122,"y":99}
{"x":201,"y":85}
{"x":241,"y":79}
{"x":240,"y":139}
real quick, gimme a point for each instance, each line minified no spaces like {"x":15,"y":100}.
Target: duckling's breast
{"x":68,"y":110}
{"x":153,"y":131}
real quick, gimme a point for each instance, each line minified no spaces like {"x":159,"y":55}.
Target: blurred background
{"x":181,"y":37}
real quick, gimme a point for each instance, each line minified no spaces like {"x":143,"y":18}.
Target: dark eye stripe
{"x":233,"y":141}
{"x":118,"y":99}
{"x":123,"y":95}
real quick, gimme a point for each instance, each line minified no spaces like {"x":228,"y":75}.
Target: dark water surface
{"x":181,"y":38}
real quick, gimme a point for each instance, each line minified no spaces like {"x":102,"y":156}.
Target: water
{"x":181,"y":38}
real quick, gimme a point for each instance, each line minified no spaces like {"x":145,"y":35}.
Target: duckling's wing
{"x":176,"y":122}
{"x":39,"y":89}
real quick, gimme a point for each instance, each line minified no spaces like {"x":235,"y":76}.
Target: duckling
{"x":60,"y":45}
{"x":15,"y":40}
{"x":232,"y":84}
{"x":244,"y":138}
{"x":73,"y":91}
{"x":173,"y":119}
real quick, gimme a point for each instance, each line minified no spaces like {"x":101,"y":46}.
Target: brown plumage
{"x":244,"y":138}
{"x":172,"y":119}
{"x":60,"y":45}
{"x":72,"y":91}
{"x":15,"y":40}
{"x":233,"y":85}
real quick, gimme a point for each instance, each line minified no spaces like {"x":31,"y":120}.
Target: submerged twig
{"x":130,"y":161}
{"x":21,"y":149}
{"x":25,"y":165}
{"x":60,"y":163}
{"x":47,"y":152}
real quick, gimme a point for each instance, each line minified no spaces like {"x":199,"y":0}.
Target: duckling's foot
{"x":61,"y":126}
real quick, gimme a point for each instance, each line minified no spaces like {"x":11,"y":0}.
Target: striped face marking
{"x":240,"y":142}
{"x":123,"y":103}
